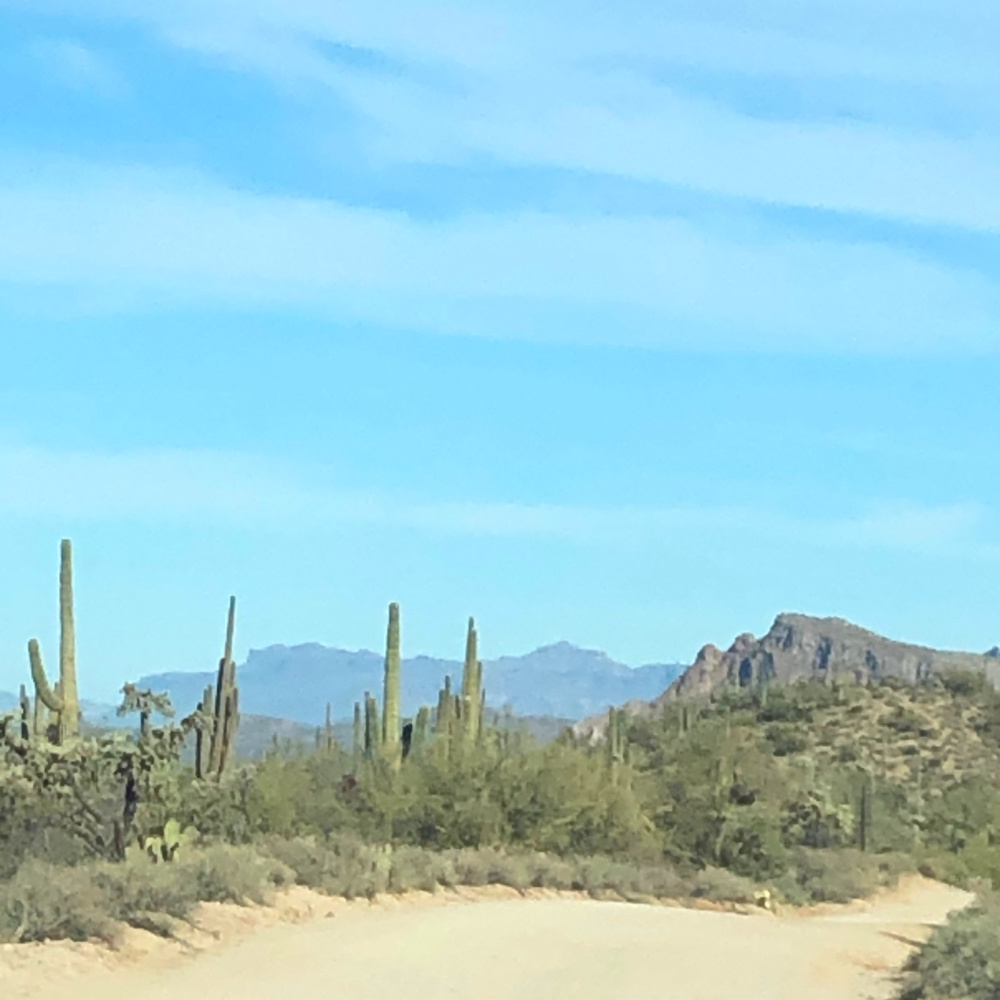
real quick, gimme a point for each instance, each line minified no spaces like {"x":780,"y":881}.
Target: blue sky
{"x":633,"y":325}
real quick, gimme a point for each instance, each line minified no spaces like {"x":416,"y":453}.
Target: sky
{"x":632,"y":325}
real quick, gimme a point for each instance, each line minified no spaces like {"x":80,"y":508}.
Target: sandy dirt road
{"x":543,"y":950}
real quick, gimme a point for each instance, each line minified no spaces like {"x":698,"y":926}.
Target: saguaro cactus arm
{"x":42,"y":689}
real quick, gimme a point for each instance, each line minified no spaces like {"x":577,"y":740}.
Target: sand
{"x":492,"y":945}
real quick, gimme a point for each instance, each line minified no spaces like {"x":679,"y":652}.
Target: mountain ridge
{"x":558,"y":680}
{"x":800,"y":647}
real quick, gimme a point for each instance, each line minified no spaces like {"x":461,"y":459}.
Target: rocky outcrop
{"x":799,"y":647}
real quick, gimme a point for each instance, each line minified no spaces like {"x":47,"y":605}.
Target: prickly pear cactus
{"x":163,"y":844}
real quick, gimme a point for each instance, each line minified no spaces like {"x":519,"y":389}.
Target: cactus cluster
{"x":219,"y":711}
{"x":392,"y":739}
{"x":56,"y":714}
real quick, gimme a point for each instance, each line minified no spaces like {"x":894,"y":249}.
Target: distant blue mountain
{"x":296,"y":682}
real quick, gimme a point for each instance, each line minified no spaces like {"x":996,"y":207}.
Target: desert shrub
{"x":977,"y":861}
{"x":602,"y":877}
{"x":413,"y":868}
{"x":719,"y":886}
{"x":42,"y":901}
{"x":488,"y":866}
{"x":552,"y":872}
{"x":750,"y":843}
{"x":964,"y":683}
{"x":343,"y":866}
{"x":228,"y":874}
{"x":820,"y":876}
{"x":961,"y":960}
{"x":786,"y":739}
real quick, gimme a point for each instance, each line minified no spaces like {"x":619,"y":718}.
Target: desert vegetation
{"x":816,"y":792}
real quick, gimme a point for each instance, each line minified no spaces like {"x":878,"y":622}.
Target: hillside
{"x":802,"y":648}
{"x":560,"y":681}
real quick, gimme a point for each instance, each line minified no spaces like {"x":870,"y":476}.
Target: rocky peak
{"x":800,"y":647}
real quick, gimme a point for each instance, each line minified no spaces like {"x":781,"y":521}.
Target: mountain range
{"x":294,"y":683}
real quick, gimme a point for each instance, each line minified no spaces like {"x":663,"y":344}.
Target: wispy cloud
{"x":588,"y":87}
{"x":78,"y":66}
{"x":139,"y":238}
{"x":153,"y":486}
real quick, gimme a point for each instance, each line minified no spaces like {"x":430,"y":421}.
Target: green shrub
{"x":828,"y":876}
{"x":961,"y":959}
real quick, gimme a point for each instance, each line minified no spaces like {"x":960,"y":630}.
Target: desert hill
{"x":800,"y":647}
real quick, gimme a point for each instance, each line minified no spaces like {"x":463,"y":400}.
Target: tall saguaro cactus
{"x":223,"y":716}
{"x":472,"y":687}
{"x":391,"y":743}
{"x":69,"y":722}
{"x":65,"y":701}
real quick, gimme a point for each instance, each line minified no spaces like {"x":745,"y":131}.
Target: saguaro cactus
{"x":215,"y":746}
{"x":203,"y":736}
{"x":865,"y":812}
{"x":25,"y":704}
{"x":328,"y":729}
{"x":420,"y":728}
{"x":69,"y":720}
{"x":373,"y":730}
{"x":472,"y":683}
{"x":65,"y":701}
{"x":359,"y":735}
{"x":614,"y":743}
{"x":391,"y":746}
{"x":445,"y":709}
{"x":40,"y":721}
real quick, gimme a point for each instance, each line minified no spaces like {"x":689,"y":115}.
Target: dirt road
{"x":543,"y":950}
